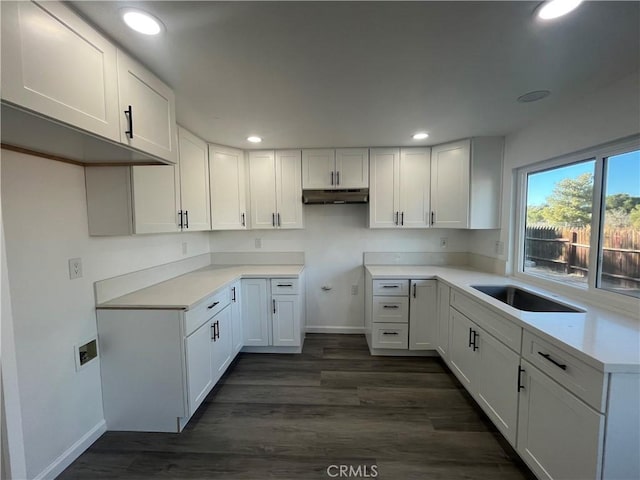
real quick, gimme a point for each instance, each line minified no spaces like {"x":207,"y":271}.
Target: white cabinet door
{"x":450,"y":166}
{"x":559,"y":436}
{"x":497,"y":387}
{"x":199,"y":367}
{"x":147,"y":110}
{"x":236,"y":317}
{"x":222,"y":343}
{"x":288,"y":189}
{"x":423,"y":315}
{"x":155,"y":199}
{"x":228,"y":190}
{"x":194,"y":182}
{"x":413,"y":173}
{"x":442,"y":343}
{"x":383,"y":189}
{"x":318,"y":169}
{"x":463,"y":358}
{"x":55,"y":64}
{"x":255,"y":313}
{"x":262,"y":180}
{"x":286,"y":320}
{"x":352,"y":168}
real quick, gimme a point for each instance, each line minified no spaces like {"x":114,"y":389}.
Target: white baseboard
{"x":346,"y":330}
{"x":72,"y":453}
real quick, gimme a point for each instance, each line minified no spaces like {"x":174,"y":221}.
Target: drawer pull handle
{"x":274,"y":306}
{"x":546,"y":356}
{"x":470,"y":337}
{"x":390,"y":306}
{"x":212,"y":305}
{"x":285,"y":285}
{"x":390,"y":333}
{"x":475,"y":340}
{"x":390,"y":286}
{"x":520,"y":372}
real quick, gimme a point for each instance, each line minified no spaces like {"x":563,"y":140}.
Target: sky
{"x":623,"y":176}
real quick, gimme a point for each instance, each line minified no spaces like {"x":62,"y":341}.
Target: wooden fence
{"x":567,"y":250}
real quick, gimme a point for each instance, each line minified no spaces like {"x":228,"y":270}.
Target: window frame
{"x":592,"y":293}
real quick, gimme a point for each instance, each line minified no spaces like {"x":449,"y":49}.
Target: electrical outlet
{"x":185,"y":248}
{"x":499,"y":247}
{"x":258,"y":243}
{"x":443,"y":242}
{"x":354,"y":289}
{"x":75,"y":268}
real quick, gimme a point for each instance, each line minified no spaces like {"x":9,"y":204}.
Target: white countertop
{"x":186,"y":291}
{"x":604,"y":339}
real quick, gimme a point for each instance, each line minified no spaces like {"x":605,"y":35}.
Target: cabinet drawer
{"x":390,"y":309}
{"x":390,"y":335}
{"x":504,"y":330}
{"x":205,"y":310}
{"x":391,"y":287}
{"x":573,"y":374}
{"x":284,"y":286}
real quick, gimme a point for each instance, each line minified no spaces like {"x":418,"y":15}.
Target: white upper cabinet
{"x":466,"y":183}
{"x":399,"y":188}
{"x":54,"y":64}
{"x":194,"y":182}
{"x":147,"y":110}
{"x":228,"y":190}
{"x":276,"y":190}
{"x":155,"y":199}
{"x":327,"y":169}
{"x":352,"y":168}
{"x":319,"y":169}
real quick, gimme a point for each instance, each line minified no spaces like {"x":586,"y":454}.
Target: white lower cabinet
{"x":442,"y":342}
{"x":560,"y":437}
{"x":222,"y":343}
{"x":235,"y":292}
{"x":423,"y":315}
{"x":272,"y":312}
{"x":199,"y":365}
{"x":463,"y":358}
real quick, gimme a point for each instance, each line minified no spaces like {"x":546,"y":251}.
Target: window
{"x":581,"y":220}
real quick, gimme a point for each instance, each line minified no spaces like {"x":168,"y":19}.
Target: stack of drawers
{"x":390,"y":314}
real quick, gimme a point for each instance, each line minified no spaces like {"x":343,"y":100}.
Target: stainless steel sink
{"x":523,"y":299}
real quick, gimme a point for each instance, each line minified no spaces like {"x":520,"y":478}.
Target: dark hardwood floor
{"x":294,"y":416}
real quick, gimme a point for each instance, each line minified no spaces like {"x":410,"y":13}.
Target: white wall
{"x":334,"y":239}
{"x":45,"y":224}
{"x":602,"y":116}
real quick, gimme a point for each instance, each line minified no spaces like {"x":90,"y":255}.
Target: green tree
{"x":634,"y":217}
{"x":622,"y":201}
{"x":570,"y":203}
{"x":535,"y":214}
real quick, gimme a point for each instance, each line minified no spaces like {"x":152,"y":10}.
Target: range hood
{"x":351,"y":195}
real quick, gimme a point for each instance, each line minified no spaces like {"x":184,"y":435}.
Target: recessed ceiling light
{"x":534,"y":96}
{"x":141,"y":22}
{"x":254,"y":139}
{"x":420,"y":135}
{"x":556,"y":8}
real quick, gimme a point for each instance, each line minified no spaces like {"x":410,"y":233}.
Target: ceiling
{"x":340,"y":74}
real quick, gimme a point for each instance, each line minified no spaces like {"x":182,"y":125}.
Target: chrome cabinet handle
{"x":546,"y":356}
{"x":212,"y":305}
{"x":129,"y":113}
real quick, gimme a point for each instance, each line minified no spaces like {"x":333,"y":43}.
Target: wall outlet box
{"x":75,"y":268}
{"x":499,"y":247}
{"x":444,"y":242}
{"x":354,"y":289}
